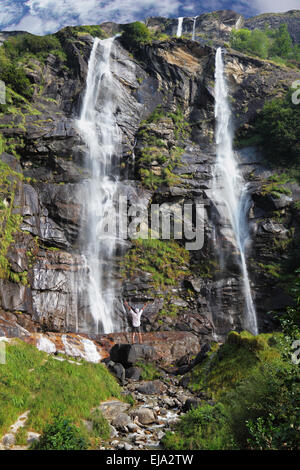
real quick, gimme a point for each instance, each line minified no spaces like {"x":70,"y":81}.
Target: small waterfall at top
{"x":98,"y":127}
{"x":194,"y":27}
{"x":179,"y":27}
{"x":229,"y":188}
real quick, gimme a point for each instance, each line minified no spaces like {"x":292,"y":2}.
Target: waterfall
{"x":229,"y":188}
{"x":194,"y":27}
{"x":98,"y":128}
{"x":179,"y":27}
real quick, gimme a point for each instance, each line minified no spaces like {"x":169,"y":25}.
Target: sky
{"x":48,"y":16}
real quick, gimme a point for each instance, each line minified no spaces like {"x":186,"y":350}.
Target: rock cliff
{"x":166,"y":119}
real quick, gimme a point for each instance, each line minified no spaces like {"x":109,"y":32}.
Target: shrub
{"x":264,"y":409}
{"x":15,"y":77}
{"x":203,"y":428}
{"x":275,"y":44}
{"x":279,"y":127}
{"x":254,"y":42}
{"x":135,"y":34}
{"x":61,"y":435}
{"x":282,"y":45}
{"x":21,"y":44}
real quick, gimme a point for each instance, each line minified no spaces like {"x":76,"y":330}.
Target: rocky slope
{"x":173,"y":146}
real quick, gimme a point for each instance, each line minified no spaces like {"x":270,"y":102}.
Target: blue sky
{"x":47,"y":16}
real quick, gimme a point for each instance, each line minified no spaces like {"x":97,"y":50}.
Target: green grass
{"x":197,"y":430}
{"x":32,"y":380}
{"x":234,"y":360}
{"x":256,"y":388}
{"x":148,"y":371}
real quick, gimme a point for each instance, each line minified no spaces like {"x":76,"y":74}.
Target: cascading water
{"x":230,"y":193}
{"x":98,"y":127}
{"x":194,"y":28}
{"x":179,"y":27}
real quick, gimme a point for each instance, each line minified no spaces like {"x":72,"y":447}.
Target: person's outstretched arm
{"x":145,"y":305}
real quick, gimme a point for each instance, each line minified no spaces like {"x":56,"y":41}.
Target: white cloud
{"x":46,"y":16}
{"x":9,"y":11}
{"x":272,"y":6}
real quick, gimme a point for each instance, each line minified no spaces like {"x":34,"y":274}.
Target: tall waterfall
{"x":98,"y":127}
{"x":179,"y":27}
{"x":229,"y":188}
{"x":194,"y":28}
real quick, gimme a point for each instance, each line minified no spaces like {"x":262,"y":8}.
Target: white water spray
{"x":229,"y":188}
{"x":179,"y":27}
{"x":98,"y":127}
{"x":194,"y":27}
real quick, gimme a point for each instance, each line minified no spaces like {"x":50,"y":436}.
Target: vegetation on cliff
{"x":157,"y":157}
{"x":272,"y":44}
{"x":278,"y":125}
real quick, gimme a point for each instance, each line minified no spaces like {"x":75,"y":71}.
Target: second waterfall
{"x":101,"y":135}
{"x":229,"y":193}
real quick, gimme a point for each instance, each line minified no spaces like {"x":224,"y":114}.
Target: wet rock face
{"x":46,"y":278}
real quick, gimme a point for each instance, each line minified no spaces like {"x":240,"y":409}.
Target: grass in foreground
{"x":32,"y":380}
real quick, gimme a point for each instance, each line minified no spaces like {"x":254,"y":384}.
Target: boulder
{"x":9,"y":440}
{"x":119,"y":371}
{"x":130,"y":354}
{"x":144,"y":415}
{"x":133,"y":373}
{"x":121,"y":421}
{"x":156,"y":387}
{"x":112,"y":409}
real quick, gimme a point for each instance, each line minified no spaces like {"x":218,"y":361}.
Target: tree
{"x":282,"y":45}
{"x":279,"y":127}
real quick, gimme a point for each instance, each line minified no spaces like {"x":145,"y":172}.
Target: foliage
{"x":265,"y":408}
{"x":100,"y":425}
{"x":254,"y":42}
{"x":15,"y":77}
{"x":158,"y":150}
{"x":203,"y":428}
{"x":22,"y":44}
{"x":61,"y":435}
{"x":135,"y":34}
{"x":258,"y":391}
{"x":232,"y":362}
{"x":282,"y":44}
{"x":15,"y":55}
{"x":278,"y":125}
{"x":148,"y":371}
{"x":93,"y":30}
{"x":32,"y":380}
{"x":270,"y":44}
{"x":275,"y":185}
{"x":9,"y":220}
{"x":164,"y":259}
